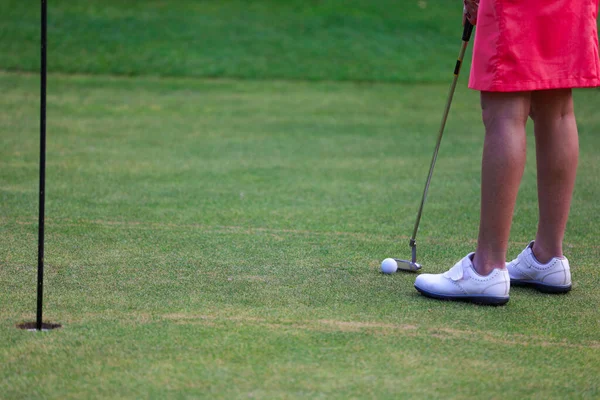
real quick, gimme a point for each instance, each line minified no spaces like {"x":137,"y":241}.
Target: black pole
{"x":40,"y":283}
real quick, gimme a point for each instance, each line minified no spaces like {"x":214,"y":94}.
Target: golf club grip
{"x":467,"y":31}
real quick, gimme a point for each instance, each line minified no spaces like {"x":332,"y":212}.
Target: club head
{"x":406,"y":265}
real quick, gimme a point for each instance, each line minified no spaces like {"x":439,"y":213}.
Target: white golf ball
{"x":389,"y":266}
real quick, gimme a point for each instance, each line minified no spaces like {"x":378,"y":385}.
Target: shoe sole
{"x":477,"y":299}
{"x":541,"y":286}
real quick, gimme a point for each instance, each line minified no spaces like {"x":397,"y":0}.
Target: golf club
{"x":412,"y":265}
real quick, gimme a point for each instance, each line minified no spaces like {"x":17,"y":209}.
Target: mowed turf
{"x":378,"y":40}
{"x":222,"y":239}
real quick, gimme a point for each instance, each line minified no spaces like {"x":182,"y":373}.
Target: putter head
{"x":406,"y":265}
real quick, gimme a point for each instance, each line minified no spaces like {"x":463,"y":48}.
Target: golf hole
{"x":32,"y":326}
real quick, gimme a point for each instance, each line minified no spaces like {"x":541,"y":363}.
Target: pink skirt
{"x":523,"y":45}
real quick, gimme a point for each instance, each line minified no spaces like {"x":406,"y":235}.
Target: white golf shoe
{"x":552,"y":277}
{"x":462,"y":282}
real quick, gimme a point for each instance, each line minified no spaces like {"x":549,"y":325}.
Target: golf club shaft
{"x":466,"y":37}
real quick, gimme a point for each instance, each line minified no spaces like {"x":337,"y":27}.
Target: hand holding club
{"x":470,"y":11}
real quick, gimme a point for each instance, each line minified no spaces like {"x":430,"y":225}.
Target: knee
{"x":549,"y":106}
{"x":501,"y":110}
{"x":495,"y":118}
{"x":490,"y":117}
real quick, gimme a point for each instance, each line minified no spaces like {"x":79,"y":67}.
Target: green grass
{"x":386,"y":40}
{"x":221,"y":238}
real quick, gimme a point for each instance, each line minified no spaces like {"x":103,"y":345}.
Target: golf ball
{"x":389,"y":266}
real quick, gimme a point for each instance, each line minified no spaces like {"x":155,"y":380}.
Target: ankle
{"x":485,"y":266}
{"x":544,"y":254}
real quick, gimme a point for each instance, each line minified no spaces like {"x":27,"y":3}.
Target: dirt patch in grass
{"x":441,"y":333}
